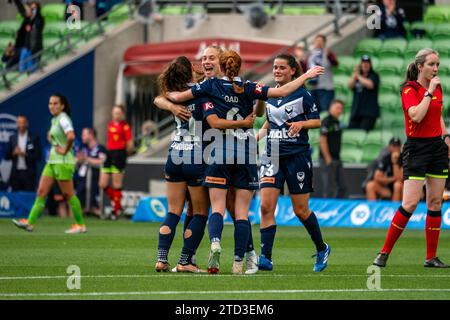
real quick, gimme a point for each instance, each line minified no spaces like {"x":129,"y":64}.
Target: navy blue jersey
{"x":298,"y":106}
{"x":188,"y":137}
{"x":227,"y":104}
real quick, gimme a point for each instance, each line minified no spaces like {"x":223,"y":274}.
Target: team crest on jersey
{"x":289,"y":109}
{"x":314,"y":108}
{"x":300,"y":176}
{"x":208,"y":106}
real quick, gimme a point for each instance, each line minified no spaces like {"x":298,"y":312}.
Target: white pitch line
{"x":135,"y":293}
{"x":169,"y":275}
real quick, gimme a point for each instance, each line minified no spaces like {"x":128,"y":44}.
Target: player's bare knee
{"x":409,"y":206}
{"x":434,"y":203}
{"x":41,"y":193}
{"x":370,"y":187}
{"x":165,"y":230}
{"x":302,"y":212}
{"x":267,"y":209}
{"x":67,"y":195}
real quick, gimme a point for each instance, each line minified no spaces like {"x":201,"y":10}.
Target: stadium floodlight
{"x":256,"y":16}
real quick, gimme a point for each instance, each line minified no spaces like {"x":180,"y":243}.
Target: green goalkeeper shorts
{"x":59,"y":171}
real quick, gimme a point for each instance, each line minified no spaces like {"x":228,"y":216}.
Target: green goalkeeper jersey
{"x":61,"y":125}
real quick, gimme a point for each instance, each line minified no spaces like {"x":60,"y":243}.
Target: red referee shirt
{"x":118,"y":135}
{"x":430,"y":126}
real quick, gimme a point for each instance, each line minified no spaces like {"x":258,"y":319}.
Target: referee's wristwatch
{"x":445,"y":136}
{"x":428,"y":94}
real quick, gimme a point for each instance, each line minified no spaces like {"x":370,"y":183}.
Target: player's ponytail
{"x":412,"y":72}
{"x":230,"y":63}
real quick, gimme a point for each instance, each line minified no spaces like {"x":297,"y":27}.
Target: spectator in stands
{"x":387,"y":180}
{"x":24,"y":149}
{"x":322,"y":88}
{"x":29,"y":36}
{"x":70,"y":11}
{"x":149,"y":134}
{"x":101,"y":7}
{"x":365,"y":109}
{"x":333,"y":180}
{"x":90,"y":159}
{"x":392,"y":18}
{"x":300,"y":55}
{"x":11,"y":56}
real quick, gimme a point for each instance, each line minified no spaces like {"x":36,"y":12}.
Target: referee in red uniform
{"x":119,"y":145}
{"x":425,"y":155}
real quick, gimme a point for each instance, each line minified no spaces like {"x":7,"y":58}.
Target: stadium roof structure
{"x":147,"y":59}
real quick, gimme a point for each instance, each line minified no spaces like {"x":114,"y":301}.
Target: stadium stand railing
{"x":60,"y":38}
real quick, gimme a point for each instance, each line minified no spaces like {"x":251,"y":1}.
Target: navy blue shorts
{"x":296,"y":170}
{"x":240,"y":176}
{"x":192,"y":174}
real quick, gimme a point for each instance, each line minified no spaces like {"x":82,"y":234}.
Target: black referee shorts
{"x":115,"y":162}
{"x":425,"y":157}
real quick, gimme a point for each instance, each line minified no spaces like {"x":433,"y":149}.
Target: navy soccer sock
{"x":250,"y":246}
{"x":312,"y":226}
{"x":215,"y":227}
{"x":166,"y":235}
{"x":267,"y":239}
{"x":187,"y":220}
{"x":192,"y":238}
{"x":241,"y":233}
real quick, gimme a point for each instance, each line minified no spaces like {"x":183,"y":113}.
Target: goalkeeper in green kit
{"x":60,"y":167}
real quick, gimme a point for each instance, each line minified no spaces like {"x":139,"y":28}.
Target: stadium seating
{"x":444,"y":67}
{"x":390,"y":66}
{"x":368,"y":46}
{"x":351,"y":154}
{"x":53,"y":12}
{"x":414,"y":46}
{"x":341,"y":82}
{"x":420,"y":29}
{"x":390,"y":83}
{"x":392,"y":48}
{"x":8,"y":29}
{"x":389,"y":102}
{"x":174,"y":10}
{"x":119,"y":13}
{"x":303,"y":10}
{"x":443,"y":47}
{"x":346,"y":65}
{"x":353,"y":137}
{"x":441,"y":32}
{"x":370,"y":151}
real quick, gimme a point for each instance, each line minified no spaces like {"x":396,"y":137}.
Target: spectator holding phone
{"x":365,"y":109}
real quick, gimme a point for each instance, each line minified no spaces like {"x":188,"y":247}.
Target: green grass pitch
{"x":116,"y":261}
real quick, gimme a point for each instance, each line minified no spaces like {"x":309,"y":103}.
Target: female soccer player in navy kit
{"x":233,"y":99}
{"x":184,"y":171}
{"x":425,"y":155}
{"x":288,"y":121}
{"x":211,"y":68}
